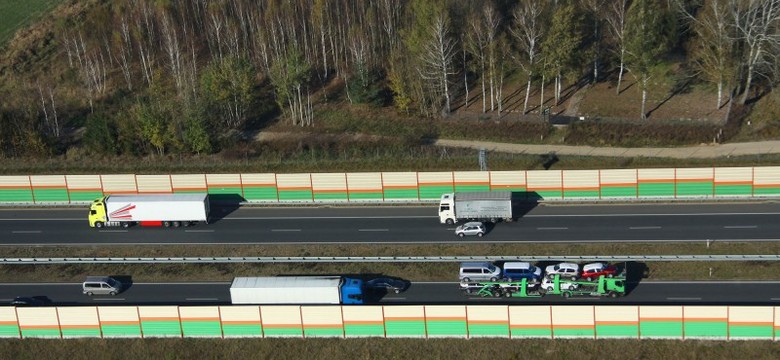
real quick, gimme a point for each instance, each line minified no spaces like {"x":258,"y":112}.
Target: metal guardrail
{"x":365,"y":259}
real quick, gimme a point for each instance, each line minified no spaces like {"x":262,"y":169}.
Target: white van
{"x":101,"y":285}
{"x":479,"y":271}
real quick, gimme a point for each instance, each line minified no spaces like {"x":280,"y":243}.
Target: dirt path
{"x":685,"y":152}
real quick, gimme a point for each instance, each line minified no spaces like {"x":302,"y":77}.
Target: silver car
{"x":101,"y":285}
{"x":470,"y":228}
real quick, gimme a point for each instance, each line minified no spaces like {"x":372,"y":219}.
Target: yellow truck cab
{"x":97,"y":212}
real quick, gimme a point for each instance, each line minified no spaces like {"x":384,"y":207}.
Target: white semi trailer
{"x":296,"y":290}
{"x":481,"y":206}
{"x":149,"y":210}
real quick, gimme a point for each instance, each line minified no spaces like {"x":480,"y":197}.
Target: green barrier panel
{"x":125,"y":330}
{"x":406,"y":328}
{"x":618,"y":191}
{"x":330,"y":195}
{"x":543,"y":331}
{"x":260,"y":193}
{"x":161,"y":328}
{"x":649,"y":329}
{"x":574,"y":331}
{"x":740,"y":190}
{"x":364,"y":329}
{"x":242,"y":330}
{"x":446,"y":328}
{"x":656,"y":189}
{"x":283,"y":331}
{"x":756,"y":331}
{"x":323,"y":331}
{"x":400,"y":194}
{"x":434,"y":192}
{"x":549,"y":194}
{"x":617,"y":330}
{"x":79,"y":195}
{"x":44,"y":195}
{"x":706,"y":329}
{"x":225,"y":191}
{"x":41,"y":333}
{"x":201,"y":328}
{"x":764,"y":191}
{"x":365,"y":195}
{"x":571,"y":194}
{"x":298,"y":195}
{"x":16,"y":195}
{"x":81,"y":331}
{"x":695,"y":188}
{"x":471,"y":187}
{"x":489,"y":330}
{"x":9,"y":331}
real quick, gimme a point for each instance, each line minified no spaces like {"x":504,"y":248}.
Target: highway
{"x":217,"y":293}
{"x":410,"y":224}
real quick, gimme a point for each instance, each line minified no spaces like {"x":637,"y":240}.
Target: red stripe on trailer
{"x":151,"y":223}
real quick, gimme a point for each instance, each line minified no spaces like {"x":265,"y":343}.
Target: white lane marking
{"x":375,"y":230}
{"x":45,"y":219}
{"x":113,"y":231}
{"x":683,"y":298}
{"x":654,"y":214}
{"x":6,"y":300}
{"x":774,"y":299}
{"x":386,"y":298}
{"x":644,"y":227}
{"x":201,"y":299}
{"x":199,"y":231}
{"x":535,"y":241}
{"x":26,"y":232}
{"x":109,"y":299}
{"x":285,"y":230}
{"x":741,"y":227}
{"x":483,"y":298}
{"x":552,"y":228}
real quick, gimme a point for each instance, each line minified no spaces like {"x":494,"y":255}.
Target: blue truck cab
{"x":351,"y":291}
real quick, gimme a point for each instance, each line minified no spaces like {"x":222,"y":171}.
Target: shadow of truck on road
{"x":223,"y":205}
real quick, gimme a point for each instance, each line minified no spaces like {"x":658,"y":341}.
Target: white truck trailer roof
{"x":286,"y":290}
{"x":197,"y":197}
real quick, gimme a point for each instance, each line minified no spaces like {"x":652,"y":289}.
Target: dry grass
{"x":377,"y":348}
{"x":414,"y":271}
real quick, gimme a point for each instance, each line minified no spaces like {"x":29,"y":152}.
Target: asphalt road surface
{"x":217,"y":293}
{"x":413,"y":224}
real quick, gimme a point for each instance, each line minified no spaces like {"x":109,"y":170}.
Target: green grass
{"x":15,"y":14}
{"x":374,"y":348}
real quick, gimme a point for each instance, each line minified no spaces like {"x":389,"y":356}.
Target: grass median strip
{"x":446,"y":271}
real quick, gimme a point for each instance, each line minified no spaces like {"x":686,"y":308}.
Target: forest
{"x":143,"y":77}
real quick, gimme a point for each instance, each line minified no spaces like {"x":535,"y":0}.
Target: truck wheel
{"x":167,"y":223}
{"x":176,"y":224}
{"x":493,"y":220}
{"x":125,"y":224}
{"x":469,"y":291}
{"x":449,"y":221}
{"x":567,"y":294}
{"x":612,"y":294}
{"x":186,"y":223}
{"x":507,"y":294}
{"x":98,"y":224}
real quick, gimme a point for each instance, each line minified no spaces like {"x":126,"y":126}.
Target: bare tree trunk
{"x":527,"y":95}
{"x":620,"y":71}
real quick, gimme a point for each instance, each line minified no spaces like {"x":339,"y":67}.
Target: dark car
{"x":387,"y":284}
{"x":29,"y":301}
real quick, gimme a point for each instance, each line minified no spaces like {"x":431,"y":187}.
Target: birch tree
{"x":616,"y":20}
{"x":528,"y":30}
{"x":562,"y":45}
{"x":713,"y":48}
{"x":757,"y":23}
